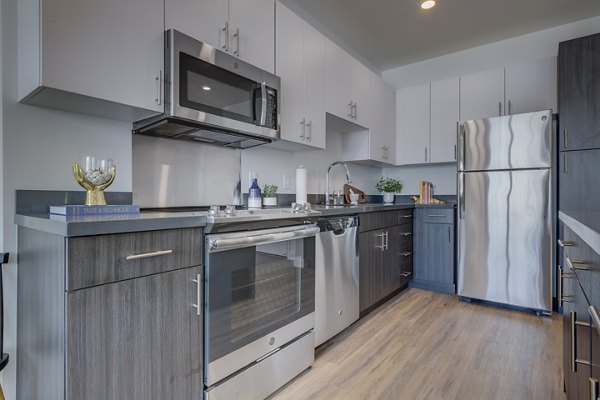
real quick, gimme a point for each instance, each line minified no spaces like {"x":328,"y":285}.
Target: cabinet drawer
{"x":382,"y":219}
{"x":95,"y":260}
{"x":585,"y":263}
{"x":436,"y":215}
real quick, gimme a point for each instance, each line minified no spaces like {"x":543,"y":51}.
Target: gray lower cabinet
{"x":385,"y":246}
{"x":434,"y":260}
{"x":110,"y":316}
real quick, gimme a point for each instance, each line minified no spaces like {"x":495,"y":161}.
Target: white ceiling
{"x":391,"y":33}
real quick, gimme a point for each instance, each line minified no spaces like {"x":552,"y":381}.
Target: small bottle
{"x":254,"y":195}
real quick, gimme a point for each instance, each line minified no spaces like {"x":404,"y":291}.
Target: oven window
{"x":208,"y":88}
{"x":255,"y":290}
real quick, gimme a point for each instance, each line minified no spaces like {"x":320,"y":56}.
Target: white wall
{"x":39,"y":146}
{"x":271,"y":165}
{"x":535,"y":45}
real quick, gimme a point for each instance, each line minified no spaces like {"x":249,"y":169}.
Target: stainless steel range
{"x":259,"y":300}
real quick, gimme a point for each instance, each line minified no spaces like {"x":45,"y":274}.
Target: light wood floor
{"x":426,"y":345}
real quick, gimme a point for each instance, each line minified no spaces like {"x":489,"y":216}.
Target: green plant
{"x":389,"y":185}
{"x":270,"y":191}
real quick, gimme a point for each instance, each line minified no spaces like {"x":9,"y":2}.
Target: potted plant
{"x":389,"y":187}
{"x":270,"y":195}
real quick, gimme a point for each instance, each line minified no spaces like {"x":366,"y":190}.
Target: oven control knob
{"x":272,"y":341}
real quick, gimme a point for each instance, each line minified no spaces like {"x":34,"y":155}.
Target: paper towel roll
{"x":301,"y":185}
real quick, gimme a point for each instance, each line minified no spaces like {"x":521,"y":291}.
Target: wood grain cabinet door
{"x":136,"y":339}
{"x":371,"y":268}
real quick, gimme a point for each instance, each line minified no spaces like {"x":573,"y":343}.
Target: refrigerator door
{"x":505,"y":237}
{"x":511,"y":142}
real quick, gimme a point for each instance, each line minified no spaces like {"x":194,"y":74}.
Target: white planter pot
{"x":388,"y":197}
{"x":269,"y":201}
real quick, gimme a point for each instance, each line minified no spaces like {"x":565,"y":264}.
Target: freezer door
{"x":504,"y":237}
{"x":511,"y":142}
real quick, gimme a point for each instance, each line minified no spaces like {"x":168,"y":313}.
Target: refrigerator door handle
{"x":461,"y":195}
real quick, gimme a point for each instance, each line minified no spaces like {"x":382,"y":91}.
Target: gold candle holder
{"x":94,"y":180}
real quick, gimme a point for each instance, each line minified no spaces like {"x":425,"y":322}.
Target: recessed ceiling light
{"x":427,"y":4}
{"x":207,"y":88}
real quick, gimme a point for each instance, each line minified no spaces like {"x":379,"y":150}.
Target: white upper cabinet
{"x":482,"y":94}
{"x":524,"y":87}
{"x":532,"y":86}
{"x":348,"y":86}
{"x":301,"y":66}
{"x":244,"y":29}
{"x":444,"y":118}
{"x":100,"y":58}
{"x":382,"y":144}
{"x":413,"y":125}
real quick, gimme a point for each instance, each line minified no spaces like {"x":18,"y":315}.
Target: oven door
{"x":260,"y":295}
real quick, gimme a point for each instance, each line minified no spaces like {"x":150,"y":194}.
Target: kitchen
{"x":35,"y":136}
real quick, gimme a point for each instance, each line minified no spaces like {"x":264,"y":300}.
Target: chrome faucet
{"x":327,"y":199}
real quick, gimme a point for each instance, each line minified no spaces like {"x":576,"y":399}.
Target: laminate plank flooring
{"x":427,"y":345}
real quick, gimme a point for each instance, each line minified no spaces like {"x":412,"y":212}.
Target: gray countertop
{"x":585,"y":225}
{"x":107,"y":224}
{"x":148,"y":221}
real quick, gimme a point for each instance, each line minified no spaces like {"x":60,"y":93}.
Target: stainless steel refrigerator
{"x":505,"y":203}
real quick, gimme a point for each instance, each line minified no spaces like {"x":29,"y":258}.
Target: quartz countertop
{"x":106,"y":224}
{"x":372,"y":207}
{"x":585,"y":225}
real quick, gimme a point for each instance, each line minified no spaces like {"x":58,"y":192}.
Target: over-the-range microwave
{"x":213,"y":97}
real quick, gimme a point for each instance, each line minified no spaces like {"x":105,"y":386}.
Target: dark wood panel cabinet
{"x":137,"y":335}
{"x":579,"y":93}
{"x":434,"y":259}
{"x":385,"y":256}
{"x":579,"y":181}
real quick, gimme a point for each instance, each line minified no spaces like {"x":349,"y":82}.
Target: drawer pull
{"x":566,"y":243}
{"x":151,"y":254}
{"x":594,"y":389}
{"x":405,"y":274}
{"x":578,"y":265}
{"x":436,"y":215}
{"x":406,"y":253}
{"x":406,"y":233}
{"x":406,"y":216}
{"x":565,"y":298}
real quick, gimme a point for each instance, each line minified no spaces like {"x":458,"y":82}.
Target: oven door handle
{"x":223,"y":243}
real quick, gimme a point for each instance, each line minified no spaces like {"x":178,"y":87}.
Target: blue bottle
{"x":254,"y":195}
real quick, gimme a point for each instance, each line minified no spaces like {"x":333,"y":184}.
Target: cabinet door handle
{"x":350,"y":109}
{"x":594,"y":389}
{"x":236,"y":36}
{"x":405,"y":273}
{"x":565,"y":162}
{"x":577,"y":265}
{"x":449,"y":236}
{"x":198,"y":305}
{"x":565,"y":136}
{"x":509,"y":108}
{"x":559,"y":285}
{"x":225,"y":31}
{"x":436,"y":215}
{"x":406,"y":253}
{"x":159,"y":88}
{"x":499,"y":108}
{"x":355,"y":108}
{"x":455,"y":152}
{"x":565,"y":243}
{"x":425,"y":154}
{"x":309,"y":126}
{"x":382,"y":236}
{"x":406,"y":233}
{"x":406,"y":216}
{"x":303,"y":123}
{"x":573,"y":341}
{"x":387,"y":240}
{"x":147,"y":255}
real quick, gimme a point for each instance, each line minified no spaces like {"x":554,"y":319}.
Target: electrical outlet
{"x":286,"y":182}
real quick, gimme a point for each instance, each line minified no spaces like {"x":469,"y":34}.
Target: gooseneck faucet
{"x":327,"y":200}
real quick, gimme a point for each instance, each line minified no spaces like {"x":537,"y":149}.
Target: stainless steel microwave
{"x":213,"y":97}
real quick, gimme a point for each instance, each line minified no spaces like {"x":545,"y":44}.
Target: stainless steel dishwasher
{"x":336,"y":280}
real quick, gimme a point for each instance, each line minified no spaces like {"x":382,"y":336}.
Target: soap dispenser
{"x":254,"y":195}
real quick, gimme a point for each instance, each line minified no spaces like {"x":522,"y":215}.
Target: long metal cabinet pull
{"x":355,"y":108}
{"x":499,"y":108}
{"x":573,"y":342}
{"x":387,"y":240}
{"x":382,"y":236}
{"x":236,"y":36}
{"x":159,"y":80}
{"x":559,"y":285}
{"x":565,"y":166}
{"x":594,"y":389}
{"x":577,"y":265}
{"x":225,"y":30}
{"x":309,"y":135}
{"x":198,"y":305}
{"x":406,"y":253}
{"x":509,"y":108}
{"x":454,"y":152}
{"x":425,"y":153}
{"x":350,"y":109}
{"x":565,"y":243}
{"x":565,"y":136}
{"x":449,"y":237}
{"x":147,"y":255}
{"x":303,"y":123}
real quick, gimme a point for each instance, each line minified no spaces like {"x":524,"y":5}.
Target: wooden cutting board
{"x":361,"y":194}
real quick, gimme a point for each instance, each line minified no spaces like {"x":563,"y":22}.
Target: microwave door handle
{"x":263,"y":93}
